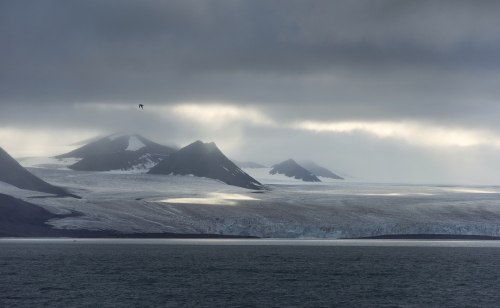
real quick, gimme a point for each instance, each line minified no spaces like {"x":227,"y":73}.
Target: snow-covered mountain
{"x":248,"y":164}
{"x":205,"y":160}
{"x":291,"y":169}
{"x":320,"y":171}
{"x":118,"y":152}
{"x":11,"y":172}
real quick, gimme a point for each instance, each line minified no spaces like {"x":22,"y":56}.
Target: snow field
{"x":134,"y":144}
{"x":144,"y":203}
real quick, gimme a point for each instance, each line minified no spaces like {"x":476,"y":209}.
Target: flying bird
{"x":141,"y":106}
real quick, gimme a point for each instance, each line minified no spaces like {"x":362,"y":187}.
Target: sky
{"x":382,"y":91}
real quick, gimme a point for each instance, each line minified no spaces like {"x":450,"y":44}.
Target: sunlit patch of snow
{"x":134,"y":144}
{"x":212,"y":198}
{"x":471,"y":191}
{"x":225,"y":168}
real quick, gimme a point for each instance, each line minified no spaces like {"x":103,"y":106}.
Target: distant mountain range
{"x":291,"y":169}
{"x":11,"y":172}
{"x":248,"y":164}
{"x":129,"y":152}
{"x":205,"y":160}
{"x":320,"y":171}
{"x":118,"y":152}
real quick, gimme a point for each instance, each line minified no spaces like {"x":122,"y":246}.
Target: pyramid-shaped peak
{"x":291,"y":169}
{"x":201,"y":146}
{"x":205,"y":160}
{"x":289,"y":162}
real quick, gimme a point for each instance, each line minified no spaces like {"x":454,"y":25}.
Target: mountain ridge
{"x":118,"y":152}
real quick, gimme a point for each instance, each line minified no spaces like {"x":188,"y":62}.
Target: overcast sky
{"x":392,"y":91}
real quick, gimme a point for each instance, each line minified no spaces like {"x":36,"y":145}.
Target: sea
{"x":248,"y":273}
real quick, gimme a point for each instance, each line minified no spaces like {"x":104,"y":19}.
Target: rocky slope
{"x":11,"y":172}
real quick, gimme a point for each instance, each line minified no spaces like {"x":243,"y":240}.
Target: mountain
{"x":291,"y":169}
{"x":320,"y":171}
{"x":11,"y":172}
{"x":247,"y":164}
{"x":118,"y":152}
{"x":205,"y":160}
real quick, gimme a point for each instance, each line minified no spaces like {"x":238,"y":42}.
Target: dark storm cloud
{"x":434,"y":60}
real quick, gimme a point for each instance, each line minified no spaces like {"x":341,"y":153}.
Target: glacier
{"x":142,"y":203}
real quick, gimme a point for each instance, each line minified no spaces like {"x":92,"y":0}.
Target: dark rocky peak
{"x":291,"y":169}
{"x":205,"y":160}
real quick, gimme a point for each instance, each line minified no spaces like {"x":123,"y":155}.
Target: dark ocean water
{"x":80,"y":274}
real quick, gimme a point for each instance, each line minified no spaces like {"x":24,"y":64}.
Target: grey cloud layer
{"x":434,"y":62}
{"x":430,"y":60}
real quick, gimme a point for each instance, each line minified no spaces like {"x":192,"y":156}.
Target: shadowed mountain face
{"x":11,"y":172}
{"x":205,"y":160}
{"x":247,"y":164}
{"x":20,"y":218}
{"x":118,"y":152}
{"x":291,"y":169}
{"x":320,"y":171}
